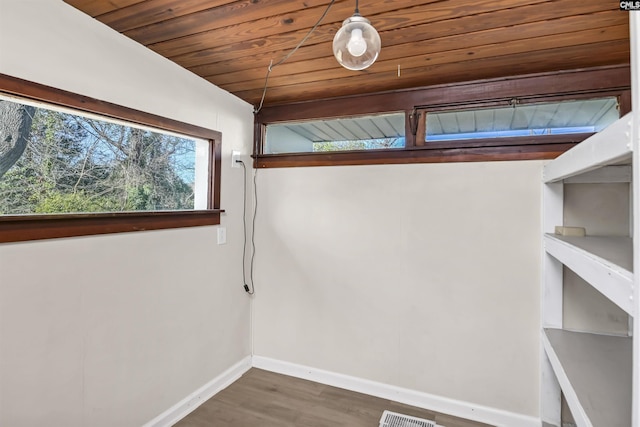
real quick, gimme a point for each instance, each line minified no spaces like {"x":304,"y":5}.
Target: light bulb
{"x":357,"y":45}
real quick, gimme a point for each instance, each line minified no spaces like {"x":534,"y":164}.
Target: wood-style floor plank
{"x":266,"y":399}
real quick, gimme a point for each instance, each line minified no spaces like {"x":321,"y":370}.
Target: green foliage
{"x":73,"y":202}
{"x":369,"y":144}
{"x":76,"y":164}
{"x":338,"y":146}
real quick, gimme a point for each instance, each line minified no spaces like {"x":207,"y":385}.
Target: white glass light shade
{"x":357,"y":44}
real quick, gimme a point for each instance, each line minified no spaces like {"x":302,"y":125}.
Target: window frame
{"x":17,"y":228}
{"x":535,"y":88}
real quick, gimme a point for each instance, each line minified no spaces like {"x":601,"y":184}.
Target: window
{"x":74,"y":163}
{"x":103,"y":169}
{"x":373,"y":132}
{"x":529,"y":117}
{"x":551,"y":118}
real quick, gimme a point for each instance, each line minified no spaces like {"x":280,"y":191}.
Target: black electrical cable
{"x":248,"y":289}
{"x":288,"y":55}
{"x":253,"y":226}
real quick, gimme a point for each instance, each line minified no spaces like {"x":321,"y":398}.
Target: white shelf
{"x":594,"y":372}
{"x":611,"y":146}
{"x":603,"y":175}
{"x":604,"y":262}
{"x":598,"y":374}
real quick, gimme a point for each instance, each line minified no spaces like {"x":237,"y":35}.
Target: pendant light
{"x":357,"y":44}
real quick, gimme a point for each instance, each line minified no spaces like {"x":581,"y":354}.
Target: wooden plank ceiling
{"x":231,"y":43}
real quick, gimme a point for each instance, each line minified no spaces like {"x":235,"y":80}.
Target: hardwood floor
{"x":265,"y":399}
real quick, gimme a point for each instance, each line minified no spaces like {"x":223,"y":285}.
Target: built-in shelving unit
{"x":593,"y":371}
{"x":598,"y":374}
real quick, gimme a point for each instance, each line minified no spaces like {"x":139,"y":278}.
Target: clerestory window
{"x":583,"y":116}
{"x":529,"y":117}
{"x":372,"y":132}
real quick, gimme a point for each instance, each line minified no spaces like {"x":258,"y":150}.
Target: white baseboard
{"x":198,"y":397}
{"x":419,"y":399}
{"x":485,"y":414}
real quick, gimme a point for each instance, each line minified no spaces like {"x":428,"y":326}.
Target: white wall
{"x":113,"y":330}
{"x":419,"y":276}
{"x":602,"y":209}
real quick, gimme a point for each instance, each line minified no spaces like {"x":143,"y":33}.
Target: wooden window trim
{"x":416,"y":155}
{"x":543,"y":87}
{"x":16,"y":228}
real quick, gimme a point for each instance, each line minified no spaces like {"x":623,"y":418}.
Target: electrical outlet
{"x":222,"y":235}
{"x":235,"y":155}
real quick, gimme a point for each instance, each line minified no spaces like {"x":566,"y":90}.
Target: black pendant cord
{"x":357,"y":12}
{"x":288,"y":55}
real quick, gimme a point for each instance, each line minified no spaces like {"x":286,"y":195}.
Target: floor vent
{"x":393,"y":419}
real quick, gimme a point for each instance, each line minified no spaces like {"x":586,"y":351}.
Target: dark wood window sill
{"x":498,"y":149}
{"x":18,"y":228}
